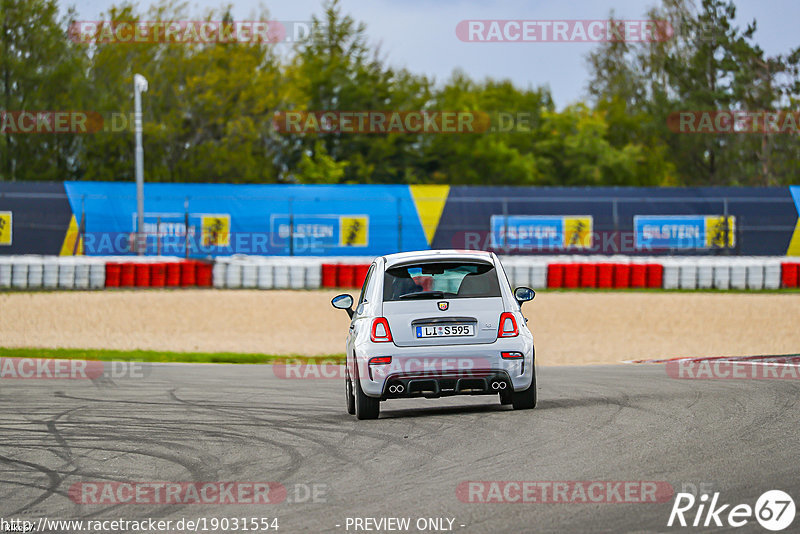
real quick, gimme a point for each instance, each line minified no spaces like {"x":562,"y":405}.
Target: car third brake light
{"x":380,"y":331}
{"x":508,"y":325}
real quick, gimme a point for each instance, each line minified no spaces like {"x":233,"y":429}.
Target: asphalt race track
{"x":208,"y":423}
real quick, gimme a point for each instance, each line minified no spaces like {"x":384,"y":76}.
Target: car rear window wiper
{"x":423,"y":295}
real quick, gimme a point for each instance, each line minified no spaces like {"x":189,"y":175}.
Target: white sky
{"x":420,"y":35}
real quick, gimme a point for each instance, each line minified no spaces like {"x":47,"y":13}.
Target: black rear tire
{"x":348,"y":392}
{"x":525,"y":400}
{"x":366,"y":407}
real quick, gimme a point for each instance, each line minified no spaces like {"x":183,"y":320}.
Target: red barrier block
{"x":572,"y":272}
{"x":127,"y":277}
{"x":655,"y":275}
{"x":142,"y":274}
{"x":158,"y":274}
{"x":555,"y":275}
{"x":172,"y":274}
{"x":205,"y":274}
{"x":622,"y":275}
{"x":790,"y":272}
{"x":113,"y":271}
{"x":588,"y":274}
{"x":188,"y":273}
{"x":360,"y":275}
{"x":605,"y":275}
{"x":345,"y":275}
{"x":638,"y":275}
{"x":329,"y":272}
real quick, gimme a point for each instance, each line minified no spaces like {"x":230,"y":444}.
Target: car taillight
{"x":511,"y":355}
{"x":508,"y":325}
{"x":377,"y":360}
{"x":380,"y":331}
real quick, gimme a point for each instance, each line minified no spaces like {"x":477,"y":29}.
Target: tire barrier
{"x":790,"y":272}
{"x":258,"y":272}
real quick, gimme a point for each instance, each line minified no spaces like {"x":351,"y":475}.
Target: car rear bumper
{"x":446,"y":370}
{"x":479,"y":382}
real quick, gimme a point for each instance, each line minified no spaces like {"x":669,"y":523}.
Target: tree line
{"x":208,"y":113}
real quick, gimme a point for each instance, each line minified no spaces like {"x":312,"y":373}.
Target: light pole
{"x":139,"y":87}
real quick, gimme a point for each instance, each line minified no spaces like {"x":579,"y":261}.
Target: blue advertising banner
{"x":369,"y":220}
{"x":683,"y":232}
{"x":542,"y":232}
{"x":320,"y":231}
{"x":763,"y":218}
{"x":34,"y":217}
{"x":263,"y":219}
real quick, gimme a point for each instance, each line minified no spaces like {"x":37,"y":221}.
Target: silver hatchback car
{"x":434,"y":324}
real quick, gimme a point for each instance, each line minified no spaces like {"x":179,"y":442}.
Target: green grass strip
{"x":163,"y":356}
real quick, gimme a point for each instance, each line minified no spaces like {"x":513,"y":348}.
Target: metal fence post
{"x":400,"y":227}
{"x":291,"y":228}
{"x":186,"y":227}
{"x":158,"y":236}
{"x":725,"y":247}
{"x":505,"y":225}
{"x":81,"y":227}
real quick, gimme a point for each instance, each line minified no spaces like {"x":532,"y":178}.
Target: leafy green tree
{"x":708,"y":64}
{"x":320,"y":168}
{"x":40,"y":70}
{"x":334,"y":69}
{"x":206,"y":113}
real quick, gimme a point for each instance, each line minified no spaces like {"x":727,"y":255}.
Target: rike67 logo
{"x":774,"y":510}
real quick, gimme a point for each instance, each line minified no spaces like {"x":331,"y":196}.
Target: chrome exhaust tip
{"x":502,"y":385}
{"x":392,"y":389}
{"x":495,"y":385}
{"x":400,"y":388}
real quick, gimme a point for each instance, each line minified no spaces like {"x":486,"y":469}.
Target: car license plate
{"x":450,"y":330}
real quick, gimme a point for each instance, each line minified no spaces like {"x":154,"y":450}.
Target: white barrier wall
{"x":258,"y":272}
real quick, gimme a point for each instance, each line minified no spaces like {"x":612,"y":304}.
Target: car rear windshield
{"x":440,"y":280}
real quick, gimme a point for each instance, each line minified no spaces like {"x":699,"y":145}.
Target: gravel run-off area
{"x":569,"y":327}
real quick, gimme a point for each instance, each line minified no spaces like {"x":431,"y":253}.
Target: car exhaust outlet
{"x":495,"y":385}
{"x":400,"y":388}
{"x":501,"y":385}
{"x":392,"y":389}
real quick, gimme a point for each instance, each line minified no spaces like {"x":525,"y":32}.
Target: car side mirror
{"x":343,"y":302}
{"x":524,"y":294}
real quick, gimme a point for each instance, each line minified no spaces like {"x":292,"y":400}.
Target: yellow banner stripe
{"x":68,"y":247}
{"x":429,"y":201}
{"x":794,"y":244}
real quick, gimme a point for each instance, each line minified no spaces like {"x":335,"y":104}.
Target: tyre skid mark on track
{"x":259,"y":422}
{"x":196,"y":469}
{"x":303,"y":424}
{"x":54,"y":478}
